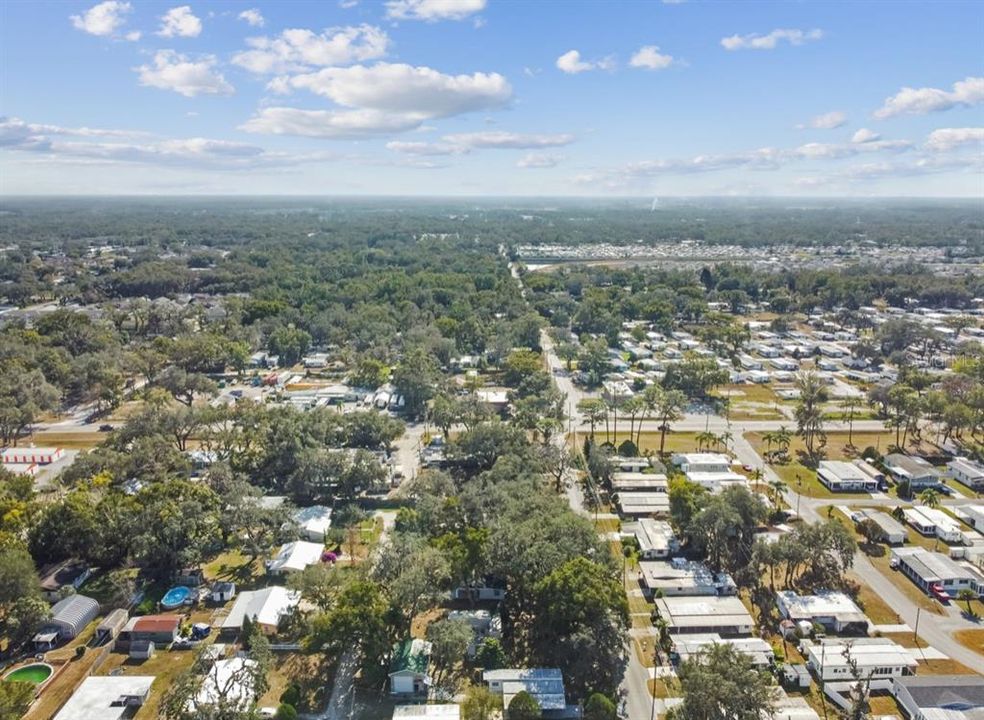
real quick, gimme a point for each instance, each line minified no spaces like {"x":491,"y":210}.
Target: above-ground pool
{"x":35,"y":673}
{"x":176,"y":596}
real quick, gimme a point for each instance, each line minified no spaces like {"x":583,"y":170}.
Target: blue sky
{"x":501,"y":97}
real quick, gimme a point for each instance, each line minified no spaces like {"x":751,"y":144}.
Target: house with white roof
{"x":756,"y":649}
{"x":265,"y":607}
{"x":313,"y":522}
{"x":295,"y":557}
{"x":712,"y":471}
{"x":831,"y":659}
{"x":839,"y":476}
{"x":933,"y":523}
{"x":967,"y":472}
{"x":724,"y":615}
{"x":835,"y":611}
{"x":107,"y":698}
{"x":656,"y":539}
{"x":680,"y":576}
{"x":546,"y":685}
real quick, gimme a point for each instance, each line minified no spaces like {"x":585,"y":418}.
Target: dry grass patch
{"x":972,"y":639}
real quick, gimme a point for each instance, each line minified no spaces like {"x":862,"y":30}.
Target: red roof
{"x":157,"y":623}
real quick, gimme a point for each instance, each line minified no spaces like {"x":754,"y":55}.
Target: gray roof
{"x":944,"y":690}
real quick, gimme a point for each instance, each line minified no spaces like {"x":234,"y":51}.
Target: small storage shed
{"x":109,"y":628}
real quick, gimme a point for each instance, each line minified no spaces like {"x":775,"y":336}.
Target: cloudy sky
{"x":492,"y":97}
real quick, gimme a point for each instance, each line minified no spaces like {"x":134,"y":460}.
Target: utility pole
{"x":915,"y":631}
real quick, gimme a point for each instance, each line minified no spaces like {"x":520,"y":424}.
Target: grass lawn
{"x":69,"y":672}
{"x":973,"y":639}
{"x":906,"y":586}
{"x":664,"y":688}
{"x":884,"y":704}
{"x":877,"y":610}
{"x":309,"y":672}
{"x":236,"y":567}
{"x":644,"y":648}
{"x":675,"y":441}
{"x":608,"y":525}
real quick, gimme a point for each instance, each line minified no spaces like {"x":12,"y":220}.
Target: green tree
{"x":813,"y":394}
{"x":415,"y":378}
{"x":24,"y":396}
{"x":490,"y":655}
{"x":523,"y":706}
{"x":449,"y":641}
{"x":480,"y":703}
{"x":722,"y":683}
{"x":289,"y":343}
{"x":599,"y":707}
{"x":15,"y":699}
{"x":930,"y":497}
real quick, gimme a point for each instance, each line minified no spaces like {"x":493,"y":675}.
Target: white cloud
{"x":425,"y":148}
{"x":346,"y":4}
{"x":180,"y":22}
{"x":539,"y":160}
{"x":950,"y":138}
{"x":920,"y":101}
{"x":102,"y":19}
{"x":252,"y":17}
{"x":754,"y":41}
{"x":433,"y":10}
{"x":650,"y":58}
{"x":299,"y":49}
{"x":133,"y":35}
{"x":328,"y":123}
{"x":17,"y":135}
{"x":464,"y":143}
{"x":864,"y":135}
{"x":419,"y":92}
{"x":508,"y":140}
{"x":827,"y":121}
{"x":571,"y":63}
{"x":173,"y":71}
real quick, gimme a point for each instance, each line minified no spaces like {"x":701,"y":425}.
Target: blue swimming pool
{"x":176,"y":596}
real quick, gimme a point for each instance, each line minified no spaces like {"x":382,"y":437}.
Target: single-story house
{"x":947,"y":697}
{"x":632,"y":481}
{"x":295,"y":557}
{"x":313,"y":522}
{"x":967,"y":472}
{"x":642,"y":503}
{"x":107,"y":698}
{"x":69,"y":617}
{"x":756,"y":649}
{"x":835,"y":611}
{"x":724,"y":615}
{"x":831,"y":659}
{"x":484,"y":624}
{"x":656,"y":539}
{"x":682,"y":577}
{"x":794,"y":708}
{"x":228,"y":681}
{"x":892,"y":531}
{"x":546,"y":685}
{"x":55,"y":578}
{"x":973,"y":515}
{"x":932,"y":522}
{"x":839,"y":476}
{"x":265,"y":607}
{"x":409,"y":668}
{"x":159,"y":629}
{"x":918,"y":472}
{"x":712,"y":471}
{"x":927,"y":569}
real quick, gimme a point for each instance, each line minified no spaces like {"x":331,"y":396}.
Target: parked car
{"x":106,"y":428}
{"x":894,"y":563}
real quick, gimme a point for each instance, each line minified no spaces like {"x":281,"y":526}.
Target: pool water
{"x":176,"y":596}
{"x":36,"y":673}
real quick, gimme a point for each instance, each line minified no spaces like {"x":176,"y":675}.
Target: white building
{"x":31,"y":455}
{"x":295,"y":557}
{"x":546,"y":685}
{"x":933,"y":522}
{"x":107,"y":698}
{"x":839,"y":476}
{"x":877,"y":658}
{"x":724,"y":615}
{"x":656,"y":539}
{"x":679,"y":576}
{"x":967,"y":472}
{"x":757,"y":649}
{"x":835,"y":611}
{"x":313,"y":522}
{"x":928,"y":569}
{"x":973,"y":515}
{"x":448,"y":711}
{"x":917,"y":471}
{"x":266,"y":607}
{"x":712,"y":471}
{"x":646,"y":503}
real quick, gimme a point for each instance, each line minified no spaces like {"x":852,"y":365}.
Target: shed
{"x":142,"y":650}
{"x":409,"y":667}
{"x":222,"y":592}
{"x":58,"y":576}
{"x":111,"y":626}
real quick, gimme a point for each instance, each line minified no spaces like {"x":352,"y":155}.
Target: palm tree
{"x":703,"y":438}
{"x":930,"y":498}
{"x":778,"y":488}
{"x":783,"y":438}
{"x":968,"y":596}
{"x":768,"y":438}
{"x":726,"y":437}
